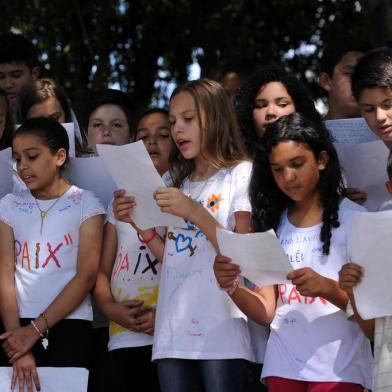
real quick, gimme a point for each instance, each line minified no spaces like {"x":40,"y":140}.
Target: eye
{"x":96,"y":124}
{"x":276,"y":169}
{"x":297,"y":165}
{"x":367,"y":109}
{"x":32,"y":157}
{"x":188,"y":119}
{"x":387,"y":105}
{"x":141,"y":137}
{"x":16,"y":74}
{"x":118,"y":125}
{"x":260,"y":104}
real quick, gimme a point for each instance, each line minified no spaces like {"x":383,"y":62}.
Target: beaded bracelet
{"x":36,"y":328}
{"x":230,"y":290}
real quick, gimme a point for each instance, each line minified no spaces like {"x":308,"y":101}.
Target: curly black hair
{"x":268,"y":201}
{"x":245,"y":100}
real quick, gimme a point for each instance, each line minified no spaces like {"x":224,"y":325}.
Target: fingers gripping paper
{"x":260,"y":256}
{"x":132,"y":169}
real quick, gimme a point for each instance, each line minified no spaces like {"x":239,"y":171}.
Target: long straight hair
{"x":220,"y":136}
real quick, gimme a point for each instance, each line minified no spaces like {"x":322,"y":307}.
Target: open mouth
{"x":181,"y":143}
{"x":27,"y":178}
{"x":153,"y":154}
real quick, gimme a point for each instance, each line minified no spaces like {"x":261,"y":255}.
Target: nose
{"x":107,"y":131}
{"x":289,"y":175}
{"x":380,"y":115}
{"x":270,"y":111}
{"x":21,"y":164}
{"x":8,"y":83}
{"x":175,"y":128}
{"x":152,"y":140}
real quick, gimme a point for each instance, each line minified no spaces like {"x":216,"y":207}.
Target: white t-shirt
{"x":311,"y":339}
{"x":383,"y":354}
{"x":135,"y":276}
{"x":44,"y":264}
{"x":195,"y":318}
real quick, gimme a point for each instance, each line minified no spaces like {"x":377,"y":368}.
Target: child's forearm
{"x":102,"y":293}
{"x":333,"y":293}
{"x":259,"y":305}
{"x":9,"y":310}
{"x":367,"y":326}
{"x":69,"y":299}
{"x":154,"y":241}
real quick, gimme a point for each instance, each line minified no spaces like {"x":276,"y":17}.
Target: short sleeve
{"x":6,"y":209}
{"x":110,"y":214}
{"x":240,"y":184}
{"x":91,"y":206}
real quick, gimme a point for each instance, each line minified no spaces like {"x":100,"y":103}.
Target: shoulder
{"x":85,"y":198}
{"x":243,"y":166}
{"x":242,"y":169}
{"x":347,"y":210}
{"x":17,"y":197}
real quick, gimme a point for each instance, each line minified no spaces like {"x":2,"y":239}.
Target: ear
{"x":325,"y":81}
{"x":322,"y":160}
{"x":388,"y":185}
{"x":35,"y":73}
{"x":61,"y":157}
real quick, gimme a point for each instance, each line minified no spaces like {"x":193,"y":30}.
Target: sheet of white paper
{"x":370,"y":245}
{"x":70,"y":128}
{"x":91,"y":174}
{"x":132,"y":169}
{"x":350,"y":131}
{"x":260,"y":256}
{"x":6,"y":172}
{"x":364,"y":167}
{"x":51,"y":379}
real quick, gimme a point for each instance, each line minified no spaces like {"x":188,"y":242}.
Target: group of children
{"x":179,"y":312}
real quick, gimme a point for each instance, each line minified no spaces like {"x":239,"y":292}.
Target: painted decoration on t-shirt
{"x":43,"y":253}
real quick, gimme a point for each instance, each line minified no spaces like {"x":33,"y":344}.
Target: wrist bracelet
{"x":143,"y":241}
{"x":234,"y":286}
{"x":36,"y":328}
{"x":349,"y":310}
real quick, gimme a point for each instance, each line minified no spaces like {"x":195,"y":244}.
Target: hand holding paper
{"x":261,"y":258}
{"x":132,"y":169}
{"x":225,"y":271}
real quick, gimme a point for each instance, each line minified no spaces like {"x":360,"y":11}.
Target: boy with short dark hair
{"x":18,"y":65}
{"x":337,"y":64}
{"x":372,"y":87}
